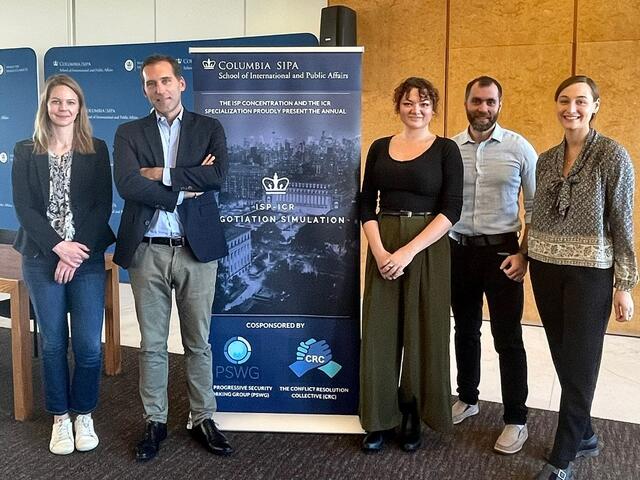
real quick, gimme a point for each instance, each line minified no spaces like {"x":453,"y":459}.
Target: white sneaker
{"x":61,"y":437}
{"x":511,"y":439}
{"x":461,"y":410}
{"x":86,"y":438}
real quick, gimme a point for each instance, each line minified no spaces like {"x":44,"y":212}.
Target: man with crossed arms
{"x":166,"y":167}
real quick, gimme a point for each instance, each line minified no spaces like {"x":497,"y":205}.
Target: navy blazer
{"x":138,"y":144}
{"x":90,"y":194}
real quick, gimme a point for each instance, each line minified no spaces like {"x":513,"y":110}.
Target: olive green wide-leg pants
{"x":411,"y":312}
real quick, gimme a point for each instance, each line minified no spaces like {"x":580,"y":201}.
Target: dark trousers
{"x":574,"y":305}
{"x":476,"y":271}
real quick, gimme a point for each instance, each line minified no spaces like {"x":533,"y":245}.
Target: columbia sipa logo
{"x":209,"y":64}
{"x":275,"y":185}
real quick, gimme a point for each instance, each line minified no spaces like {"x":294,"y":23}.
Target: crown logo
{"x":275,"y":185}
{"x":209,"y":64}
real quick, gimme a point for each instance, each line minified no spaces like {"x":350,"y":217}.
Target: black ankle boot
{"x":374,"y":441}
{"x":411,"y":437}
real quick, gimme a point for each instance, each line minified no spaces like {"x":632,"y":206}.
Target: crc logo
{"x":314,"y":354}
{"x":209,"y":64}
{"x":4,"y":157}
{"x":275,"y":185}
{"x":237,"y":350}
{"x":129,"y":65}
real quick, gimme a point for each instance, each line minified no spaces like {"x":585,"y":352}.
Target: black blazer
{"x":137,"y":144}
{"x":91,"y":199}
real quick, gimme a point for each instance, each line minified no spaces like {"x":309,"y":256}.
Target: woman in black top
{"x":417,"y":177}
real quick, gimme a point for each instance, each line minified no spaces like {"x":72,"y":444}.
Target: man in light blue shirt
{"x":486,"y":258}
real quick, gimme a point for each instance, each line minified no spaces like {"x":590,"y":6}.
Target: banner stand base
{"x":288,"y":423}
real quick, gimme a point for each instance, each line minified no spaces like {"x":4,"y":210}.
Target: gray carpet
{"x":464,"y":455}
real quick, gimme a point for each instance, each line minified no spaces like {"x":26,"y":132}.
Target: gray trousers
{"x":154,"y":271}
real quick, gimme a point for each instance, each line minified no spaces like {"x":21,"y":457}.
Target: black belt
{"x":171,"y":241}
{"x":484,"y":240}
{"x":404,"y":213}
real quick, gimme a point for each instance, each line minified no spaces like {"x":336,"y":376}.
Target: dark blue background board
{"x":18,"y":105}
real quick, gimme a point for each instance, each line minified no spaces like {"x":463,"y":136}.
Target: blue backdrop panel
{"x":286,"y":316}
{"x":110,"y":78}
{"x":18,"y":105}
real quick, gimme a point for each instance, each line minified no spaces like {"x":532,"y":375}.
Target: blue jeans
{"x":83,"y":298}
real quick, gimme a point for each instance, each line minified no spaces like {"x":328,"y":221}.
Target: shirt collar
{"x":160,"y":118}
{"x":497,"y":135}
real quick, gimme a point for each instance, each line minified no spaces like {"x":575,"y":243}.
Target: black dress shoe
{"x":207,"y":434}
{"x":410,"y":432}
{"x":374,"y":441}
{"x":154,"y":433}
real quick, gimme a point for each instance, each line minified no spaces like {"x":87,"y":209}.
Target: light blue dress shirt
{"x":164,"y":223}
{"x":494,"y":172}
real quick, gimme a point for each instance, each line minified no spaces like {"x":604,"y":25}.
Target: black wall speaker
{"x":338,"y":27}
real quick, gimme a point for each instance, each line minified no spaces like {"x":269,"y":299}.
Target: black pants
{"x":476,"y":271}
{"x":574,"y":305}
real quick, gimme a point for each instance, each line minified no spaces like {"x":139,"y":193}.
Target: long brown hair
{"x":43,"y":133}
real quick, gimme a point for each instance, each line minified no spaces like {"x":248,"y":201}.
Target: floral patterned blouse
{"x":59,"y":210}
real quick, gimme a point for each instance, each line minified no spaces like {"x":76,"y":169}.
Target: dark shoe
{"x":549,"y":472}
{"x":588,"y":447}
{"x":154,"y":433}
{"x":374,"y":441}
{"x":207,"y":434}
{"x":410,"y":432}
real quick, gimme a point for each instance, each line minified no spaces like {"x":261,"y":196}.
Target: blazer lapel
{"x":42,"y":169}
{"x":183,"y":144}
{"x":152,"y":135}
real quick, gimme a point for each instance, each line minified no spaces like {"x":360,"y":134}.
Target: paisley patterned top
{"x":59,"y":208}
{"x":586,"y":219}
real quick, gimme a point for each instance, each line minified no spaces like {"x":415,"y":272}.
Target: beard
{"x":482,"y":123}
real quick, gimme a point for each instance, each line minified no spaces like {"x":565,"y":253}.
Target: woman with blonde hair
{"x":61,"y":181}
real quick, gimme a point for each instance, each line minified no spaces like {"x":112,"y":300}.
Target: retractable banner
{"x":18,"y":105}
{"x":285,"y":332}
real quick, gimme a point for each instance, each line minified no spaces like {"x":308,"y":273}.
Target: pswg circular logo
{"x":237,"y":350}
{"x":1,"y":69}
{"x":128,"y":65}
{"x":4,"y":158}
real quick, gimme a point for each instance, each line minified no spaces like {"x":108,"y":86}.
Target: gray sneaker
{"x":511,"y":439}
{"x":549,"y":472}
{"x":461,"y":410}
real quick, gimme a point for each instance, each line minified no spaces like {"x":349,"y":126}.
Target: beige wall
{"x":529,"y":46}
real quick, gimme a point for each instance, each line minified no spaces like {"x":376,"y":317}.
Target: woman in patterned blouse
{"x":581,"y":249}
{"x":61,"y":181}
